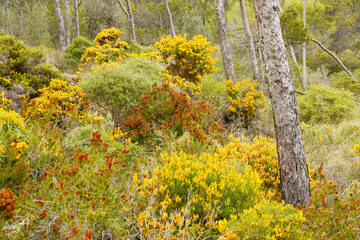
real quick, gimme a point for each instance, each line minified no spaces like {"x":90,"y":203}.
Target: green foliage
{"x":267,"y":220}
{"x":120,"y":86}
{"x":21,"y":64}
{"x":75,"y":51}
{"x":321,"y":104}
{"x":292,"y":26}
{"x":342,"y":80}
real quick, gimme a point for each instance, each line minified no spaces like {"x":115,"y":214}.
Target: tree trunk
{"x":224,"y":41}
{"x":336,"y":58}
{"x":21,"y":17}
{"x":77,"y":25}
{"x":294,"y":175}
{"x":250,"y":42}
{"x":324,"y":75}
{"x":172,"y":29}
{"x":304,"y":50}
{"x":6,"y":11}
{"x":132,"y":24}
{"x":226,"y":5}
{"x":293,"y":57}
{"x":61,"y":25}
{"x":68,"y":22}
{"x":130,"y":18}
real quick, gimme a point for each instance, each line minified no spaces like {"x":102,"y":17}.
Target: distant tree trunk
{"x":77,"y":25}
{"x":172,"y":29}
{"x":324,"y":75}
{"x":68,"y":22}
{"x":226,"y":5}
{"x":61,"y":25}
{"x":6,"y":11}
{"x":250,"y":42}
{"x":21,"y":14}
{"x":294,"y":175}
{"x":224,"y":40}
{"x":293,"y":57}
{"x":130,"y":18}
{"x":304,"y":50}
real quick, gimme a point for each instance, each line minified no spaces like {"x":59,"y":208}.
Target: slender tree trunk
{"x":304,"y":80}
{"x":336,"y":58}
{"x":6,"y":11}
{"x":224,"y":41}
{"x":130,"y":18}
{"x":250,"y":42}
{"x":21,"y":17}
{"x":68,"y":22}
{"x":77,"y":25}
{"x":293,"y":57}
{"x":324,"y":75}
{"x":261,"y":63}
{"x":294,"y":175}
{"x":61,"y":25}
{"x":172,"y":29}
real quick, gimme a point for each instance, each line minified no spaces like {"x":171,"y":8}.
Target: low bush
{"x":321,"y":104}
{"x":76,"y":50}
{"x":118,"y":87}
{"x":341,"y":80}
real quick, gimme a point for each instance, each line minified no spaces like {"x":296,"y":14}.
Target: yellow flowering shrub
{"x":244,"y":99}
{"x":357,"y":149}
{"x":108,"y":48}
{"x":267,"y":220}
{"x":205,"y":183}
{"x":8,"y":116}
{"x":58,"y":101}
{"x":188,"y":59}
{"x":261,"y":155}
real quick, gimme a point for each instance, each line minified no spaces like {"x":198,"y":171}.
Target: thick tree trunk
{"x":68,"y":22}
{"x":61,"y":25}
{"x":304,"y":80}
{"x":172,"y":29}
{"x":294,"y":175}
{"x":224,"y":40}
{"x":324,"y":75}
{"x":336,"y":58}
{"x":77,"y":25}
{"x":130,"y":18}
{"x":250,"y":41}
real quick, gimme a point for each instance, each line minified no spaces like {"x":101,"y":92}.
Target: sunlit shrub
{"x":244,"y":99}
{"x":170,"y":112}
{"x":205,"y":183}
{"x":321,"y":104}
{"x":7,"y":116}
{"x":341,"y":80}
{"x":188,"y":59}
{"x":266,"y":220}
{"x":108,"y":48}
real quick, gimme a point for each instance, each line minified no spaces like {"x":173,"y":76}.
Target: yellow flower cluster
{"x":108,"y":48}
{"x":261,"y":155}
{"x":18,"y":148}
{"x":244,"y":98}
{"x":203,"y":182}
{"x":117,"y":133}
{"x":357,"y":149}
{"x":176,"y":81}
{"x":8,"y":116}
{"x":189,"y":59}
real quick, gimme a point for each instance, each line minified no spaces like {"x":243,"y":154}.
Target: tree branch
{"x":336,"y":58}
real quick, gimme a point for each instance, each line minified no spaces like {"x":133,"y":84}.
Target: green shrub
{"x":75,"y":51}
{"x":322,"y":104}
{"x":24,"y":65}
{"x":267,"y":220}
{"x":342,"y":80}
{"x":117,"y":87}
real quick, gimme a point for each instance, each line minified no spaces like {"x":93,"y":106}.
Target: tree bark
{"x":224,"y":41}
{"x":77,"y":25}
{"x":61,"y":25}
{"x":336,"y":58}
{"x":324,"y":75}
{"x":172,"y":29}
{"x":294,"y":174}
{"x":6,"y":10}
{"x":130,"y":18}
{"x":304,"y":80}
{"x":250,"y":42}
{"x":68,"y":22}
